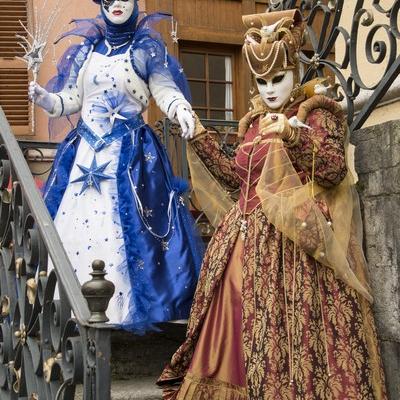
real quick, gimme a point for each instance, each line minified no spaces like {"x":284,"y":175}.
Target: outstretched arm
{"x":172,"y":102}
{"x":152,"y":63}
{"x":213,"y":157}
{"x":69,"y":100}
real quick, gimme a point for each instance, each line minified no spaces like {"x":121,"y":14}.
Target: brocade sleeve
{"x":328,"y":136}
{"x":220,"y":165}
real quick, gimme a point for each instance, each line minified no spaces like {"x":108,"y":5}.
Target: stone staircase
{"x":137,"y":361}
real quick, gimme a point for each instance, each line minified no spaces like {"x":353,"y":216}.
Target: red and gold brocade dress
{"x":268,"y":322}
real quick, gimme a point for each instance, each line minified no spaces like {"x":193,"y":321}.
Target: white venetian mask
{"x":118,"y":11}
{"x":276,"y":91}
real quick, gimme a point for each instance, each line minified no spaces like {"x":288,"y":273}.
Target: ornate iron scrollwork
{"x":46,"y":341}
{"x":170,"y":135}
{"x":376,"y":52}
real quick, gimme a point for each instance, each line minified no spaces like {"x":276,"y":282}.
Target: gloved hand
{"x":41,"y":97}
{"x":276,"y":123}
{"x":186,"y":121}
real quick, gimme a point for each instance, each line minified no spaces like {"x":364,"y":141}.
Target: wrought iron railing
{"x":48,"y":348}
{"x":381,"y":55}
{"x":170,"y":135}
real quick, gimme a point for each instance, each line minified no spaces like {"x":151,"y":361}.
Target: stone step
{"x":134,"y":356}
{"x":136,"y":389}
{"x":137,"y":362}
{"x":143,"y":388}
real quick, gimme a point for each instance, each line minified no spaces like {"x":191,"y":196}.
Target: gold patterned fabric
{"x":212,"y":185}
{"x":306,"y":334}
{"x":223,"y":371}
{"x":292,"y":206}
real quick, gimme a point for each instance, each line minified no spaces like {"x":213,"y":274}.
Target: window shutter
{"x":13,"y":72}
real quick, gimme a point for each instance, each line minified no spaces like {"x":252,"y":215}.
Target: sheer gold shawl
{"x":292,"y":208}
{"x":215,"y":201}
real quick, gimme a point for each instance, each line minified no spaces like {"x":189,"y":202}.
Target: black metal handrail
{"x":48,"y":347}
{"x":45,"y":224}
{"x":377,"y":52}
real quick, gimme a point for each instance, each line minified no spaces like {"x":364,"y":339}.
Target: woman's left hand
{"x":275,"y":123}
{"x":186,"y":121}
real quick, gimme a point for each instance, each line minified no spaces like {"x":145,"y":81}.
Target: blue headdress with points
{"x":143,"y":37}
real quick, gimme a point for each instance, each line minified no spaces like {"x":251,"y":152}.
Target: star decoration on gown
{"x":148,"y":212}
{"x":148,"y":157}
{"x":93,"y":175}
{"x":112,"y":114}
{"x":113,"y":108}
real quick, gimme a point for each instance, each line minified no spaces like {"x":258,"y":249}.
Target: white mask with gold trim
{"x":276,"y":91}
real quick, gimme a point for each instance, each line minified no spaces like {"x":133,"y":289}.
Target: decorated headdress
{"x":272,"y":41}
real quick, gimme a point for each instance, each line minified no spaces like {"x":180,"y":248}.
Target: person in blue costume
{"x":111,"y":191}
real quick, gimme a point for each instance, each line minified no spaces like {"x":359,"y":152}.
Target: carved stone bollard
{"x":98,"y":293}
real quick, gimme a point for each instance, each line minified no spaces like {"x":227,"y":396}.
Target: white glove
{"x":186,"y":121}
{"x":41,"y":97}
{"x":296,"y":123}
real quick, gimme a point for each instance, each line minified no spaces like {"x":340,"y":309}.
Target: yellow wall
{"x":383,"y":114}
{"x":370,"y":73}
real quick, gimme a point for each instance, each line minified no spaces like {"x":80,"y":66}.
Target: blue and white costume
{"x":112,"y":192}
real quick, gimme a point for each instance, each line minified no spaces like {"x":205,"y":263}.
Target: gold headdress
{"x":272,"y":41}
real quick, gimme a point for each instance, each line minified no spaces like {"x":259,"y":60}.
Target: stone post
{"x":378,"y":165}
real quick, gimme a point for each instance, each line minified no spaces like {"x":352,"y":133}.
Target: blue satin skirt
{"x":163,"y":250}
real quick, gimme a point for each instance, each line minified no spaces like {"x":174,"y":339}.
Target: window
{"x":210,"y":76}
{"x":13,"y":72}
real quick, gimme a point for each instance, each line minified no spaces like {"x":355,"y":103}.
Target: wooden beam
{"x":199,"y":34}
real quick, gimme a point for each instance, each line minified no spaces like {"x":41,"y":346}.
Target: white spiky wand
{"x":174,"y":30}
{"x":35,"y":42}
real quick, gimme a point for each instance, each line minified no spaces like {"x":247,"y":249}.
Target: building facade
{"x":210,"y":36}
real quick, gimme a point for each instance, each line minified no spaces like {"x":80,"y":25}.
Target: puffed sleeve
{"x":66,"y":102}
{"x":153,"y":64}
{"x":69,"y":100}
{"x":218,"y":163}
{"x":323,"y":143}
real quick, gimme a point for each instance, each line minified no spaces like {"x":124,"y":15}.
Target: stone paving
{"x":134,"y":389}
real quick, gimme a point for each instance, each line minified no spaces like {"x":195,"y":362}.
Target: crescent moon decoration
{"x":95,"y":80}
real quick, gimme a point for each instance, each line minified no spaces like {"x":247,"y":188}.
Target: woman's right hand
{"x":41,"y":97}
{"x":275,"y":123}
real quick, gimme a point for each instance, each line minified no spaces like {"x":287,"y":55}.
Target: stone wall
{"x":378,"y":165}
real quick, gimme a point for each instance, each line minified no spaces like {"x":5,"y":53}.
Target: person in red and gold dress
{"x":282,"y":308}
